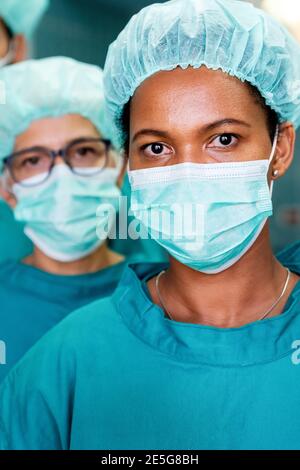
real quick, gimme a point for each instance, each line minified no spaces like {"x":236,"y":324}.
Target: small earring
{"x":275,"y":173}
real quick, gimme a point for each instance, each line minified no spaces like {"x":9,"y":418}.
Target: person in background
{"x":18,"y":22}
{"x":58,"y":167}
{"x":201,"y":353}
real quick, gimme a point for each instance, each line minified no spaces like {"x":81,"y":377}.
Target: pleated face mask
{"x":207,"y":216}
{"x":65,"y":215}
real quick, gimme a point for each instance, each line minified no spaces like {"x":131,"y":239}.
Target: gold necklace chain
{"x":261,"y":318}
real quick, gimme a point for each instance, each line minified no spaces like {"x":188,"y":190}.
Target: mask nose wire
{"x":272,"y":155}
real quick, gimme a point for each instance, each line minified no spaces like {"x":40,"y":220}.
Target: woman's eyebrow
{"x":207,"y":127}
{"x":221,"y":122}
{"x":150,"y":132}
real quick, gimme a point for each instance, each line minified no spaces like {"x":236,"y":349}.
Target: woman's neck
{"x":232,"y":298}
{"x":101,"y":258}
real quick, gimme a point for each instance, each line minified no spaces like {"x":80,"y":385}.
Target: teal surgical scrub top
{"x":13,"y":243}
{"x":33,"y":301}
{"x":290,"y":256}
{"x":118,"y":374}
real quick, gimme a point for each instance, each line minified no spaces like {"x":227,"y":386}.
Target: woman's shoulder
{"x":290,"y":257}
{"x":70,"y":337}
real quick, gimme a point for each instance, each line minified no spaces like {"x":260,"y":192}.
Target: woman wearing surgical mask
{"x":201,"y":353}
{"x":61,"y":177}
{"x":18,"y":22}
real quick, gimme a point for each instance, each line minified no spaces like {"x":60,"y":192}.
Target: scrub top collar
{"x":31,"y":272}
{"x":74,"y":290}
{"x":255,"y":343}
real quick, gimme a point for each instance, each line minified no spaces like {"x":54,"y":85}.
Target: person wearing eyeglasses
{"x":18,"y":20}
{"x":58,"y":169}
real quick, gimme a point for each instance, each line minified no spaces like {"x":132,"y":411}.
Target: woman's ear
{"x":285,"y":148}
{"x":5,"y":194}
{"x":20,"y":47}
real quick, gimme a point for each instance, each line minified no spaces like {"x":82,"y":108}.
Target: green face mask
{"x":60,"y":215}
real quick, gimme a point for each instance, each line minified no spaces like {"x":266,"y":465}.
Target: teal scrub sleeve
{"x":33,"y":414}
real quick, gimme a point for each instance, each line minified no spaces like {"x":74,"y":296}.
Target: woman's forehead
{"x":56,"y":131}
{"x":190,"y":79}
{"x":193,"y":94}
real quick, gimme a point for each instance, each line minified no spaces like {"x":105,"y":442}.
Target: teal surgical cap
{"x":22,"y":16}
{"x":52,"y":87}
{"x":230,"y":35}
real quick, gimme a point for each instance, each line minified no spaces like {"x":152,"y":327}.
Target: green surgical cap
{"x":22,"y":16}
{"x":230,"y":35}
{"x":56,"y":86}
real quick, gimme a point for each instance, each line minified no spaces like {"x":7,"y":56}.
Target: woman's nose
{"x":58,"y":160}
{"x":191,"y":154}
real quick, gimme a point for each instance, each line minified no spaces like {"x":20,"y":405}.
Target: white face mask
{"x":62,"y":216}
{"x":228,"y":205}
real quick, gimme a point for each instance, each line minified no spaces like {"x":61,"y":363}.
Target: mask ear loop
{"x":272,"y":155}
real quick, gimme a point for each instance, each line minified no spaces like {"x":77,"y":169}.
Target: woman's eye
{"x":224,"y":140}
{"x":83,"y":151}
{"x":156,"y":150}
{"x":32,"y":161}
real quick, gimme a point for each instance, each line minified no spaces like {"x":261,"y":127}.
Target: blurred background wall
{"x":83,"y":29}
